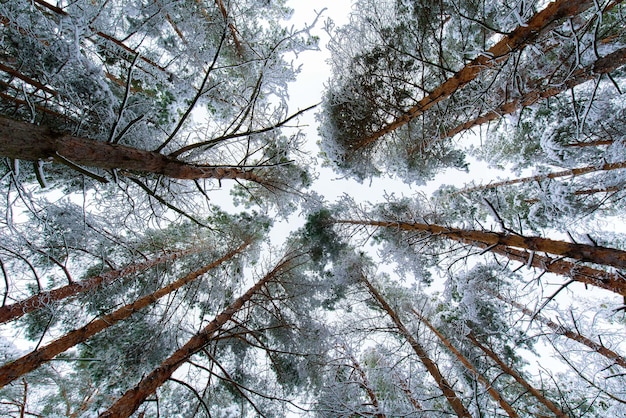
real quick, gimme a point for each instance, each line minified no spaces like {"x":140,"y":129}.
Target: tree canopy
{"x":131,"y":286}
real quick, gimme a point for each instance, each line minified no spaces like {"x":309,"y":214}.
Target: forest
{"x":151,"y":162}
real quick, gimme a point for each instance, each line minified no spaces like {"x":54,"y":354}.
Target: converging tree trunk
{"x":25,"y":141}
{"x":581,"y":252}
{"x":430,"y":365}
{"x":365,"y":384}
{"x":133,"y":398}
{"x":603,"y":65}
{"x":517,"y":39}
{"x":18,"y":309}
{"x":586,"y":192}
{"x":470,"y":367}
{"x":573,"y":172}
{"x":613,"y":282}
{"x":518,"y":378}
{"x":31,"y":361}
{"x":564,"y":331}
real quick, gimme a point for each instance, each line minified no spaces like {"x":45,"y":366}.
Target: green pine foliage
{"x":332,"y":320}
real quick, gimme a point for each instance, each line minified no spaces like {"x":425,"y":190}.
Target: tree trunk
{"x":539,"y":177}
{"x":366,"y":385}
{"x":36,"y":84}
{"x":231,"y":26}
{"x":430,"y":365}
{"x":566,"y":332}
{"x":602,"y":66}
{"x":583,"y":274}
{"x":25,"y":141}
{"x":596,"y":143}
{"x":31,"y":361}
{"x":131,"y":52}
{"x":517,"y":39}
{"x":18,"y":309}
{"x":133,"y":398}
{"x":581,"y":252}
{"x":586,"y":192}
{"x":518,"y":378}
{"x":469,"y":366}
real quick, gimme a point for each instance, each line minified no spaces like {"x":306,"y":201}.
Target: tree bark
{"x":366,"y":385}
{"x":18,"y":309}
{"x":469,"y":366}
{"x":102,"y":35}
{"x":595,"y":143}
{"x":564,"y":331}
{"x":517,"y":39}
{"x":518,"y":378}
{"x":31,"y":361}
{"x":430,"y":365}
{"x":586,"y":192}
{"x":539,"y":177}
{"x":133,"y":398}
{"x":581,"y":252}
{"x":583,"y":274}
{"x":25,"y":141}
{"x":603,"y":65}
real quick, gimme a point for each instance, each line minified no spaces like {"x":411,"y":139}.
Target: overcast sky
{"x":307,"y":91}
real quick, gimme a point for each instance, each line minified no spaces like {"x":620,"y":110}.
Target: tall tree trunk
{"x":18,"y":309}
{"x":583,"y":274}
{"x":595,"y":143}
{"x":581,"y":252}
{"x":469,"y":366}
{"x":539,"y":177}
{"x":133,"y":398}
{"x":586,"y":192}
{"x":430,"y":365}
{"x":31,"y":361}
{"x":231,"y":26}
{"x":518,"y":378}
{"x":603,"y":65}
{"x":366,"y":385}
{"x":25,"y":141}
{"x":132,"y":52}
{"x":36,"y":84}
{"x":512,"y":42}
{"x":564,"y":331}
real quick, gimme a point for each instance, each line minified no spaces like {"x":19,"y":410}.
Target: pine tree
{"x":493,"y":392}
{"x":134,"y":294}
{"x":30,"y":362}
{"x":430,"y":365}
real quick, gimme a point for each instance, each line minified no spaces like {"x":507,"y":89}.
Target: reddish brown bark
{"x":586,"y":192}
{"x":469,"y":366}
{"x":231,"y":26}
{"x":564,"y":331}
{"x":133,"y":53}
{"x":133,"y":398}
{"x":583,"y":274}
{"x":25,"y":141}
{"x":429,"y":364}
{"x":602,"y":66}
{"x":565,"y":173}
{"x":27,"y":79}
{"x":518,"y":378}
{"x":366,"y":384}
{"x":581,"y":252}
{"x":595,"y":143}
{"x":103,"y":35}
{"x":31,"y":361}
{"x":520,"y":37}
{"x":16,"y":310}
{"x":24,"y":103}
{"x":407,"y":392}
